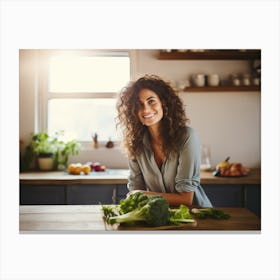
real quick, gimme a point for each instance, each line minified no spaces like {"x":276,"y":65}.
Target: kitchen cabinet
{"x":248,"y":196}
{"x":252,"y":197}
{"x":71,"y":194}
{"x":42,"y":195}
{"x":224,"y":195}
{"x":88,"y":194}
{"x":121,"y":192}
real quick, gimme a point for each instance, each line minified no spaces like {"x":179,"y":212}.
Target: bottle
{"x":205,"y":162}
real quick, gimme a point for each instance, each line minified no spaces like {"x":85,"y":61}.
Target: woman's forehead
{"x":145,"y":94}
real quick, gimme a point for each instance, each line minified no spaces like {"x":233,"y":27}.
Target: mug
{"x":213,"y":80}
{"x":199,"y":80}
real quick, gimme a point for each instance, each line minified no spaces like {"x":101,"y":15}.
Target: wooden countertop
{"x":81,"y":218}
{"x":119,"y":176}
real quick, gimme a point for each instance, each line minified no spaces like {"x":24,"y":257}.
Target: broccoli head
{"x":153,"y":213}
{"x":135,"y":200}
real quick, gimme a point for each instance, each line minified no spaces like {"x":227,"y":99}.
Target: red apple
{"x":91,"y":165}
{"x":102,"y":168}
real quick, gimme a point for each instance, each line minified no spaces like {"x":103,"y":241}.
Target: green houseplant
{"x":50,"y":152}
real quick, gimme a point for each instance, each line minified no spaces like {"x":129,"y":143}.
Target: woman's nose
{"x":146,"y":107}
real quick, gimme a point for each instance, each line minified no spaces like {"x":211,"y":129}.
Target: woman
{"x":164,"y":155}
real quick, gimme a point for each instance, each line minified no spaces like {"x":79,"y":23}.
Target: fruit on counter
{"x":227,"y":169}
{"x":86,"y":169}
{"x":78,"y":168}
{"x":91,"y":165}
{"x":96,"y":166}
{"x":223,"y":164}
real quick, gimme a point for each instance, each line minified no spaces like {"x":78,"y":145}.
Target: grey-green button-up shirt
{"x":178,"y":173}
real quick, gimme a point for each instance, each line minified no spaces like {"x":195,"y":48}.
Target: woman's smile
{"x":149,"y":116}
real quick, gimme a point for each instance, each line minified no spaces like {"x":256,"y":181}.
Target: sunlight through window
{"x":76,"y":102}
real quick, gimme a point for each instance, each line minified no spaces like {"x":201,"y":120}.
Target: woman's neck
{"x":155,"y":135}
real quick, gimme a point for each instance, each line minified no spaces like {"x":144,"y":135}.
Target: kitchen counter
{"x":110,"y":176}
{"x":88,"y":218}
{"x":119,"y":176}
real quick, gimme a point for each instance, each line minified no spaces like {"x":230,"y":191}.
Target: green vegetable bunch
{"x":134,"y":201}
{"x":180,"y":215}
{"x":153,"y":213}
{"x":213,"y":213}
{"x":140,"y":208}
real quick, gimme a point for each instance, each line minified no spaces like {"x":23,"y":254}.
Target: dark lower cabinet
{"x":253,"y":198}
{"x":88,"y":194}
{"x":121,"y":192}
{"x":248,"y":196}
{"x":224,"y":195}
{"x":42,"y":194}
{"x":66,"y":194}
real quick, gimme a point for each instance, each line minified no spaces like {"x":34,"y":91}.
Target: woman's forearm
{"x":175,"y":199}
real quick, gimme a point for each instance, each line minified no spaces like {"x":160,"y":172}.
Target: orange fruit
{"x":86,"y":169}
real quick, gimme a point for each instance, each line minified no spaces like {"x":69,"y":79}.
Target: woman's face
{"x":150,"y":110}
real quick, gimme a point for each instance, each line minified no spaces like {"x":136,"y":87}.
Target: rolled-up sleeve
{"x":135,"y":178}
{"x":188,"y":171}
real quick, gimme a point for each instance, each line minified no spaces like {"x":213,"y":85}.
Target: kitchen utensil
{"x":199,"y":80}
{"x":213,"y":80}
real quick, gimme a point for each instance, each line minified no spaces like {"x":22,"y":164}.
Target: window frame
{"x":43,"y":94}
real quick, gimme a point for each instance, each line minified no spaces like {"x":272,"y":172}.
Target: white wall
{"x":228,"y":122}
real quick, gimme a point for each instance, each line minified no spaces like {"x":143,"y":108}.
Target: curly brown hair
{"x":174,"y":117}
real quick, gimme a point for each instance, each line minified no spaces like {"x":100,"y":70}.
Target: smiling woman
{"x":164,"y":156}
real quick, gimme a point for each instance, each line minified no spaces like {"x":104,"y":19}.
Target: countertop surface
{"x":88,"y":218}
{"x":119,"y":176}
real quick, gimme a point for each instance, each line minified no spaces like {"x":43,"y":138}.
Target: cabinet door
{"x":224,"y":195}
{"x":42,"y":194}
{"x":121,"y":192}
{"x":253,"y":198}
{"x":90,"y":194}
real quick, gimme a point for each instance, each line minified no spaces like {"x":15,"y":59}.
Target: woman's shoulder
{"x":187,"y":132}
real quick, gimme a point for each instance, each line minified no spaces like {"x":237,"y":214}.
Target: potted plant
{"x":64,"y":150}
{"x":50,"y":152}
{"x":45,"y":148}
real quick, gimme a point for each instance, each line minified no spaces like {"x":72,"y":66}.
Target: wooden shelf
{"x":222,"y":88}
{"x":211,"y":55}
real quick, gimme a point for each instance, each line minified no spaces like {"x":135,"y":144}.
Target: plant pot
{"x":46,"y":162}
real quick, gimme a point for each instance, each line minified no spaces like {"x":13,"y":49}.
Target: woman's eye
{"x":151,"y":101}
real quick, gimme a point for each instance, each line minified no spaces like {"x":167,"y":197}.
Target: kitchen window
{"x":81,"y":90}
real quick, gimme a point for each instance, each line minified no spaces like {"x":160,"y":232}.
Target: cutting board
{"x":183,"y":226}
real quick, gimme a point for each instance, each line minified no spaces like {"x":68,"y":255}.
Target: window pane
{"x":80,"y":118}
{"x":88,"y":73}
